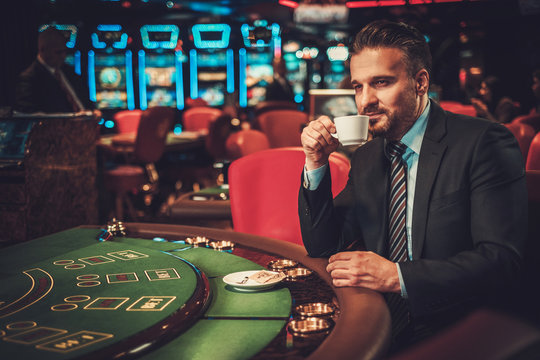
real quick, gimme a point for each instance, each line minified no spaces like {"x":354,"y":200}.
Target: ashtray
{"x":315,"y":310}
{"x":309,"y":326}
{"x":297,"y":273}
{"x":281,"y":264}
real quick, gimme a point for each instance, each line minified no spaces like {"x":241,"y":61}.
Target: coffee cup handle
{"x":334,"y":135}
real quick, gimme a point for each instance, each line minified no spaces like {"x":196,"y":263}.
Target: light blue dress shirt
{"x":413,"y":139}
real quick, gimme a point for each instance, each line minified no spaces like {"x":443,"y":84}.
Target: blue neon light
{"x":64,"y":27}
{"x":109,"y":124}
{"x":246,"y":29}
{"x":199,"y":31}
{"x":91,"y":76}
{"x":168,"y":44}
{"x":142,"y":81}
{"x":129,"y":81}
{"x":194,"y":93}
{"x":109,"y":27}
{"x":298,"y":98}
{"x":120,"y":44}
{"x":179,"y":81}
{"x":242,"y":87}
{"x":77,"y":62}
{"x":230,"y":71}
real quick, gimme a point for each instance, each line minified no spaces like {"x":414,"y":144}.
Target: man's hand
{"x":365,"y":269}
{"x":318,"y":143}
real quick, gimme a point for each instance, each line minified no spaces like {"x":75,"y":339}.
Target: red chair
{"x":149,"y":147}
{"x":127,"y":121}
{"x":524,"y":134}
{"x":485,"y":334}
{"x":265,"y":106}
{"x":283,"y":127}
{"x":245,"y":142}
{"x":531,"y":119}
{"x":199,"y":118}
{"x":533,"y":157}
{"x":458,"y":108}
{"x":263,"y":190}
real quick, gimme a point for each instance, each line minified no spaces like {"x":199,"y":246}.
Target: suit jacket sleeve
{"x":495,"y":205}
{"x":320,"y":217}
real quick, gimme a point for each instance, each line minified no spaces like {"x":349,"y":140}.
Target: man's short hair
{"x":50,"y":35}
{"x":387,"y":34}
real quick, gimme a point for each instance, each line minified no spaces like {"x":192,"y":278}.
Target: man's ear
{"x":422,"y":82}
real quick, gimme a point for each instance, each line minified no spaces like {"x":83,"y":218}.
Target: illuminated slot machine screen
{"x":262,"y":42}
{"x":331,"y":102}
{"x":259,"y":73}
{"x":160,"y":67}
{"x":110,"y":71}
{"x":211,"y":64}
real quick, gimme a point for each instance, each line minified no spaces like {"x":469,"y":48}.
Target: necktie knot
{"x":396,"y":148}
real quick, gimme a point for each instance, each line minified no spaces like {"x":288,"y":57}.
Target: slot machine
{"x":262,"y":42}
{"x":335,"y":68}
{"x":297,"y":69}
{"x":161,"y":67}
{"x":211,"y":64}
{"x":110,"y":70}
{"x":73,"y":57}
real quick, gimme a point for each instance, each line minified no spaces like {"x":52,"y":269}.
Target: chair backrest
{"x":245,"y":142}
{"x":127,"y":121}
{"x":524,"y":134}
{"x":152,"y":133}
{"x":457,"y":107}
{"x":530,"y":119}
{"x":265,"y":106}
{"x":533,"y":157}
{"x":283,"y":127}
{"x":263,"y":189}
{"x":199,"y":118}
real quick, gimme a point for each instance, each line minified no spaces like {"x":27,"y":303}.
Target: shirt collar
{"x":45,"y":65}
{"x":413,"y":137}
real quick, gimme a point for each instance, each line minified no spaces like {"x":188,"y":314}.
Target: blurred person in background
{"x":491,"y":102}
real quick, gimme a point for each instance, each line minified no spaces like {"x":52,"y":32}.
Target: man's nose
{"x":366,"y":98}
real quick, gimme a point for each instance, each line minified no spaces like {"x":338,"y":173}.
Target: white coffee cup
{"x":352,"y":129}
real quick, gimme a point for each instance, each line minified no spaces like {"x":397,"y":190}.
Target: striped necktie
{"x":397,"y":247}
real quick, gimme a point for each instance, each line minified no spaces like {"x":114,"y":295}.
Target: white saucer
{"x":235,"y":280}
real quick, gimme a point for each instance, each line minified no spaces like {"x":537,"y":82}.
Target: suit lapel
{"x":431,"y":154}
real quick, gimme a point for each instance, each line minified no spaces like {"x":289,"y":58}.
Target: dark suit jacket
{"x":469,"y":216}
{"x":37,"y":90}
{"x":278,"y":91}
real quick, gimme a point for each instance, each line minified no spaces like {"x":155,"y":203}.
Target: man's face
{"x":485,"y":92}
{"x":385,"y":91}
{"x":54,"y":54}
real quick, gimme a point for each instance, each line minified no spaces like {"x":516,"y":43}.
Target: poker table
{"x":151,"y":295}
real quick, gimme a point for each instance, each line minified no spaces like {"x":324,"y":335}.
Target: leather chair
{"x":484,"y":334}
{"x":245,"y":142}
{"x":457,"y":107}
{"x":282,"y":127}
{"x":530,"y":119}
{"x":263,"y":191}
{"x":199,"y":118}
{"x":140,"y":171}
{"x":265,"y":106}
{"x":533,"y":157}
{"x":127,"y":121}
{"x":524,"y":134}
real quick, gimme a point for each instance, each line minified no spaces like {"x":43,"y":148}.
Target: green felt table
{"x":68,"y":295}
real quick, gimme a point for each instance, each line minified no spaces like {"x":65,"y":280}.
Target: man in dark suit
{"x":457,"y":235}
{"x":48,"y":85}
